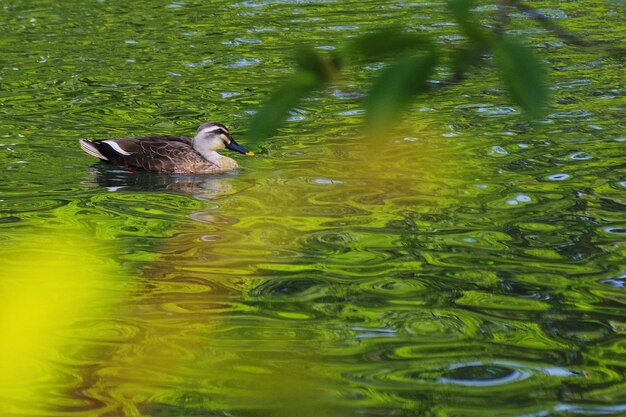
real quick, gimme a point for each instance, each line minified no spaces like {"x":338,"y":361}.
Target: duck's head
{"x":215,"y":136}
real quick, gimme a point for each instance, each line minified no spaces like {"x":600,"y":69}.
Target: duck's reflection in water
{"x":202,"y":187}
{"x":192,"y":349}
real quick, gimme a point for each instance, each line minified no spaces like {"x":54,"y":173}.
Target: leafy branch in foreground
{"x":411,"y":59}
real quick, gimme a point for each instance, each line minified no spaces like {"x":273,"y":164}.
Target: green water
{"x":469,"y":263}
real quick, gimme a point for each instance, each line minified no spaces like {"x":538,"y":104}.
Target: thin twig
{"x":550,"y":24}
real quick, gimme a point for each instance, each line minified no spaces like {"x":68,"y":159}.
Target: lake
{"x":466,"y":263}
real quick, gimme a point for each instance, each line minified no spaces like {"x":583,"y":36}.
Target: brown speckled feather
{"x":169,"y":154}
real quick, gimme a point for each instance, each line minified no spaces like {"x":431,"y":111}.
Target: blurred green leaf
{"x":523,"y":75}
{"x":389,"y":42}
{"x":396,"y":87}
{"x":323,"y":67}
{"x":265,"y":122}
{"x":461,"y":12}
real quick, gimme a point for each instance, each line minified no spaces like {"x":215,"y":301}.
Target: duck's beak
{"x":234,"y":146}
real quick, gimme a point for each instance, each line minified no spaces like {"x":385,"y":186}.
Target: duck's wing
{"x":155,"y":153}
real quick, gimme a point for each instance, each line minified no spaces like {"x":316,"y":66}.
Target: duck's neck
{"x":220,"y":161}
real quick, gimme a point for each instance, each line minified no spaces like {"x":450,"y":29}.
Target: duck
{"x":171,"y":154}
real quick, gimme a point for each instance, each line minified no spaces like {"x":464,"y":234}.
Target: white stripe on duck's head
{"x":215,"y":136}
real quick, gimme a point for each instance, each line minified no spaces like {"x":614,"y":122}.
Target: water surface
{"x":468,"y":263}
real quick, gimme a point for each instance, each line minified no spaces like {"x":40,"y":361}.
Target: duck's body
{"x":171,"y":154}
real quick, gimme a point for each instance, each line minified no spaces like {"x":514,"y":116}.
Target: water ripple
{"x":465,"y":260}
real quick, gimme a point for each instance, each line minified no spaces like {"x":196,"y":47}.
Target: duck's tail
{"x":89,"y":147}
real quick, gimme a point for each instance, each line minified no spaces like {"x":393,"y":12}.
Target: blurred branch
{"x":563,"y":33}
{"x":550,"y":24}
{"x":410,"y":60}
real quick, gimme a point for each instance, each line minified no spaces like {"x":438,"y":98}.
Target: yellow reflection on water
{"x":46,"y":283}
